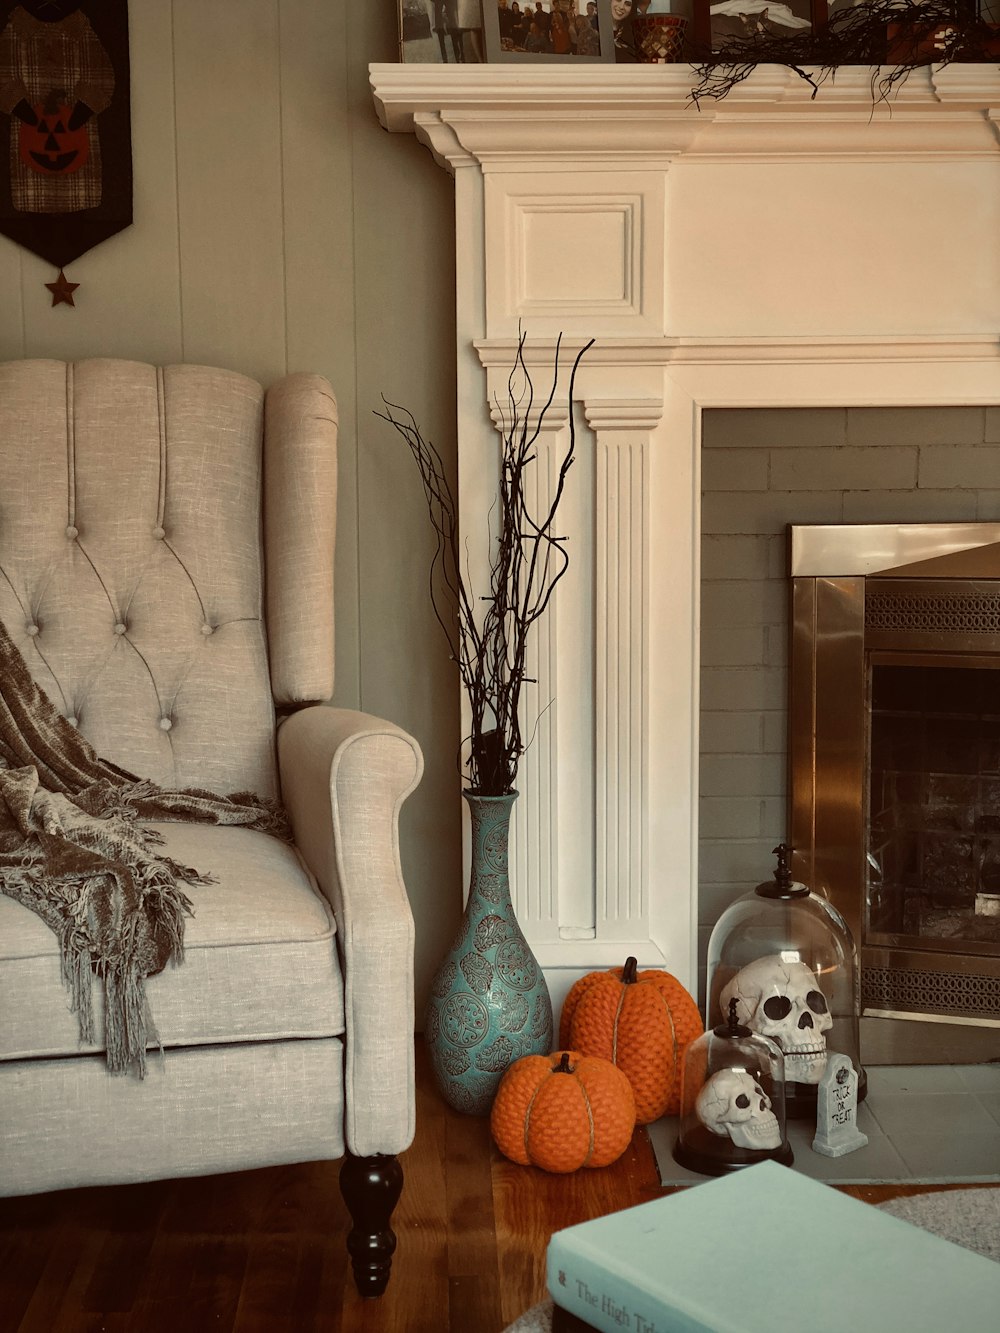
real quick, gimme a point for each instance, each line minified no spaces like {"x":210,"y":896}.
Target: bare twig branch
{"x":527,"y":561}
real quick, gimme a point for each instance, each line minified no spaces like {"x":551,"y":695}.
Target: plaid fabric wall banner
{"x":66,"y":166}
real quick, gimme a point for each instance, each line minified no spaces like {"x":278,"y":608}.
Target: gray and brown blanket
{"x":74,"y":849}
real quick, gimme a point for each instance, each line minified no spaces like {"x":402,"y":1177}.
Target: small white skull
{"x":733,"y":1103}
{"x":781,"y":1000}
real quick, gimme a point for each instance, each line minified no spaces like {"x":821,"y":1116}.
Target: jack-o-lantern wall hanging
{"x":66,"y":171}
{"x":57,"y":144}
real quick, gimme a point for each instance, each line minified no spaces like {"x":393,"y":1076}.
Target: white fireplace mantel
{"x":772,"y":249}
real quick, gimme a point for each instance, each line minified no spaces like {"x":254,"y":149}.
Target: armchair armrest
{"x":344,"y":776}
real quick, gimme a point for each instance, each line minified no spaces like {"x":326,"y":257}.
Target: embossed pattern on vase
{"x":489,"y":1001}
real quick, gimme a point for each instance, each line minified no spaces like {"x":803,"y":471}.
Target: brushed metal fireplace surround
{"x":895,"y":769}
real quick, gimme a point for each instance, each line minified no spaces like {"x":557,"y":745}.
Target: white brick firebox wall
{"x":760,"y":471}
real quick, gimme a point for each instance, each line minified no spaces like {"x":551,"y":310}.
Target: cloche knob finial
{"x":782,"y":874}
{"x":782,"y":885}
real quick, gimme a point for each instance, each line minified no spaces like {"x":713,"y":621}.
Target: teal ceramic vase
{"x":489,"y":1002}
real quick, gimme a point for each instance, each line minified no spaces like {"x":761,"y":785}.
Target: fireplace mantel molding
{"x":773,"y":250}
{"x":646,"y":113}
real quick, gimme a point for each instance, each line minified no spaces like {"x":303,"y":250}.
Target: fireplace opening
{"x":895,"y":771}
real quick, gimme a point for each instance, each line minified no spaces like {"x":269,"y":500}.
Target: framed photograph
{"x":440,"y":32}
{"x":536,"y":31}
{"x":715,"y":22}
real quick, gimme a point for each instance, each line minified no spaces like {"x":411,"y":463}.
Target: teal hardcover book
{"x":767,"y":1250}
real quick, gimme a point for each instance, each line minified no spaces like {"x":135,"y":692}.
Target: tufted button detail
{"x":121,"y":627}
{"x":31,"y":629}
{"x":207,"y":628}
{"x":159,"y":533}
{"x":165,"y":724}
{"x":72,"y":533}
{"x":73,"y":720}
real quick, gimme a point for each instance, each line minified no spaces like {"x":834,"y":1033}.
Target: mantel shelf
{"x":476,"y":114}
{"x":401,"y":90}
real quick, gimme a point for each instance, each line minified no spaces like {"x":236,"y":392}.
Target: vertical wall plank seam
{"x":177,"y":179}
{"x":24,"y":317}
{"x":356,"y":498}
{"x":281,"y":186}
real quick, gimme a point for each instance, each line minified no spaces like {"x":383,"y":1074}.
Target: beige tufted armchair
{"x":166,"y":569}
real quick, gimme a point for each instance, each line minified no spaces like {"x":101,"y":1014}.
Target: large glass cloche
{"x":787,"y":957}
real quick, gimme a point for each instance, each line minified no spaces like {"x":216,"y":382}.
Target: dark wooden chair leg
{"x":371,"y":1187}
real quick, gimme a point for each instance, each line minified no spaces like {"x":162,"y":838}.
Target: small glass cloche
{"x":787,"y":957}
{"x":732,"y":1101}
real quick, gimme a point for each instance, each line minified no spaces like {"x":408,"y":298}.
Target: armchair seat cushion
{"x":260,"y":959}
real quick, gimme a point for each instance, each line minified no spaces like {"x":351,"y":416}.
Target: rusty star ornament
{"x":62,"y":290}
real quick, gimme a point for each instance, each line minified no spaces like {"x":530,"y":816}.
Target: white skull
{"x":733,"y":1103}
{"x":782,"y":1001}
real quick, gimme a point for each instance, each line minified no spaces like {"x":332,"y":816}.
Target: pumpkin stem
{"x":628,"y":971}
{"x":564,"y":1066}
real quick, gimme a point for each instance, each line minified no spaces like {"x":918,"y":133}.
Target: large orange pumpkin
{"x":563,"y":1111}
{"x":642,"y":1022}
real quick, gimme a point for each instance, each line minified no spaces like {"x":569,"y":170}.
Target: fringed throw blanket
{"x":73,"y":849}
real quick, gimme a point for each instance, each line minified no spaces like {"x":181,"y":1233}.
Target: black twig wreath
{"x":893,"y":37}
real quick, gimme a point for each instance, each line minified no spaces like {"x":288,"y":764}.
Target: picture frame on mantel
{"x":714,"y":22}
{"x":548,"y":31}
{"x":440,"y":32}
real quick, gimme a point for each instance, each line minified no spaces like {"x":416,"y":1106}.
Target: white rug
{"x":965,"y":1217}
{"x":536,"y":1320}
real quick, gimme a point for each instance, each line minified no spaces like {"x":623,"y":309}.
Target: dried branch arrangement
{"x":893,"y":37}
{"x":528,"y":558}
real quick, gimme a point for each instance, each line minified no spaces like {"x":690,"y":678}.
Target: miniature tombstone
{"x":837,"y":1130}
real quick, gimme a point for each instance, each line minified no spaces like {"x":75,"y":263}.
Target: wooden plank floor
{"x":264,"y":1250}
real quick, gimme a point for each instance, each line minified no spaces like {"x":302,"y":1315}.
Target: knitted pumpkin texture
{"x":642,"y":1022}
{"x":563,"y":1111}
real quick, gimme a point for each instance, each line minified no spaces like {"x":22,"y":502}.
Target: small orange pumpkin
{"x":563,"y":1111}
{"x":640,"y":1021}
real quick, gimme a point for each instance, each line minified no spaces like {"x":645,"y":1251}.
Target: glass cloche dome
{"x":732,"y":1100}
{"x":787,"y":957}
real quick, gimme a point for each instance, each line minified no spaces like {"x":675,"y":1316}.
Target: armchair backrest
{"x":136,"y":507}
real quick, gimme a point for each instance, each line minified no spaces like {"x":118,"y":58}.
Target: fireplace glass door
{"x":933,"y":862}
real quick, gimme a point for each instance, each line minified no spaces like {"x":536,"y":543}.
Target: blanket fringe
{"x":128,"y":1028}
{"x":78,"y":977}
